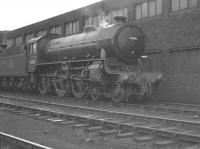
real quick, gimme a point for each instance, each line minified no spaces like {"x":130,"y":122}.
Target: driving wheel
{"x":43,"y":86}
{"x":95,"y":93}
{"x":78,"y":88}
{"x":62,"y":87}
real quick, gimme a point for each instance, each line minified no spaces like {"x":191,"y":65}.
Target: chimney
{"x":120,"y":20}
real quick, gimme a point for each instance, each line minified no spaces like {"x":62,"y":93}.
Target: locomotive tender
{"x":98,"y":63}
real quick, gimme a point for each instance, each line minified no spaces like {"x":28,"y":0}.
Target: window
{"x":32,"y":48}
{"x":152,"y":8}
{"x":183,"y":4}
{"x":138,"y":11}
{"x":56,"y":30}
{"x":53,"y":30}
{"x":148,"y":9}
{"x":144,"y":10}
{"x":90,"y":20}
{"x":114,"y":13}
{"x":109,"y":18}
{"x":18,"y":41}
{"x":95,"y":20}
{"x":9,"y":43}
{"x":175,"y":5}
{"x":72,"y":28}
{"x":28,"y":37}
{"x":41,"y":33}
{"x":158,"y":6}
{"x":193,"y":3}
{"x":119,"y":12}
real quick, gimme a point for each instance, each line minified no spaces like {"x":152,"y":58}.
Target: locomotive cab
{"x":31,"y":52}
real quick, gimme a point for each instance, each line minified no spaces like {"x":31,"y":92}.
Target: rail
{"x":19,"y":142}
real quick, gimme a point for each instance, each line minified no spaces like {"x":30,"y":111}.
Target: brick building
{"x":171,"y":28}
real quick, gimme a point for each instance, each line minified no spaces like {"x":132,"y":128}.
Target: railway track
{"x":143,"y":123}
{"x":9,"y":141}
{"x":190,"y":110}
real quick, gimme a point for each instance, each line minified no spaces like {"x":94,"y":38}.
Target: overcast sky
{"x":19,"y":13}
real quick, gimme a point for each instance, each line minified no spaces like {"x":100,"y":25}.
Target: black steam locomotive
{"x":98,"y":63}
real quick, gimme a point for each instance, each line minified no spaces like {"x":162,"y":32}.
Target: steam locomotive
{"x":98,"y":63}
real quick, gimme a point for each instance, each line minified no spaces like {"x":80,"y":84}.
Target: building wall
{"x":175,"y":37}
{"x":2,"y":36}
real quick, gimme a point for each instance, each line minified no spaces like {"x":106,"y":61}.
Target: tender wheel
{"x":24,"y":86}
{"x":95,"y":93}
{"x":16,"y":82}
{"x":62,"y":87}
{"x":79,"y":89}
{"x":1,"y":80}
{"x":5,"y":83}
{"x":118,"y":93}
{"x":11,"y":83}
{"x":43,"y":86}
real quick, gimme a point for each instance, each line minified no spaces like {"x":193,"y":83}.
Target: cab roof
{"x":35,"y":39}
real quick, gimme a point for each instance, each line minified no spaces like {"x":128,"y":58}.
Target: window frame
{"x":179,"y":5}
{"x":32,"y":48}
{"x":17,"y":43}
{"x":30,"y":36}
{"x":140,"y":6}
{"x":41,"y":32}
{"x":55,"y":29}
{"x":115,"y":12}
{"x":69,"y":28}
{"x":92,"y":20}
{"x":198,"y":3}
{"x":11,"y":42}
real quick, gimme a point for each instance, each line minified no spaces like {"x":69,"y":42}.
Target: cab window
{"x":32,"y":48}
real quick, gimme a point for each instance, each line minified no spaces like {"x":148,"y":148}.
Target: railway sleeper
{"x":164,"y":144}
{"x":45,"y":115}
{"x":144,"y":138}
{"x":94,"y":128}
{"x":124,"y":134}
{"x":80,"y":125}
{"x":67,"y":122}
{"x":111,"y":131}
{"x":55,"y":120}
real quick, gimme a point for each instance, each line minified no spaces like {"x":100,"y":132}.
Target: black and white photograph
{"x":100,"y":74}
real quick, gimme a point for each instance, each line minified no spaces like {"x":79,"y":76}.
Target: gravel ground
{"x":65,"y":137}
{"x":57,"y":136}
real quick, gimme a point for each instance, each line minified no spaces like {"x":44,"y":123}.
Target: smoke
{"x":104,"y":21}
